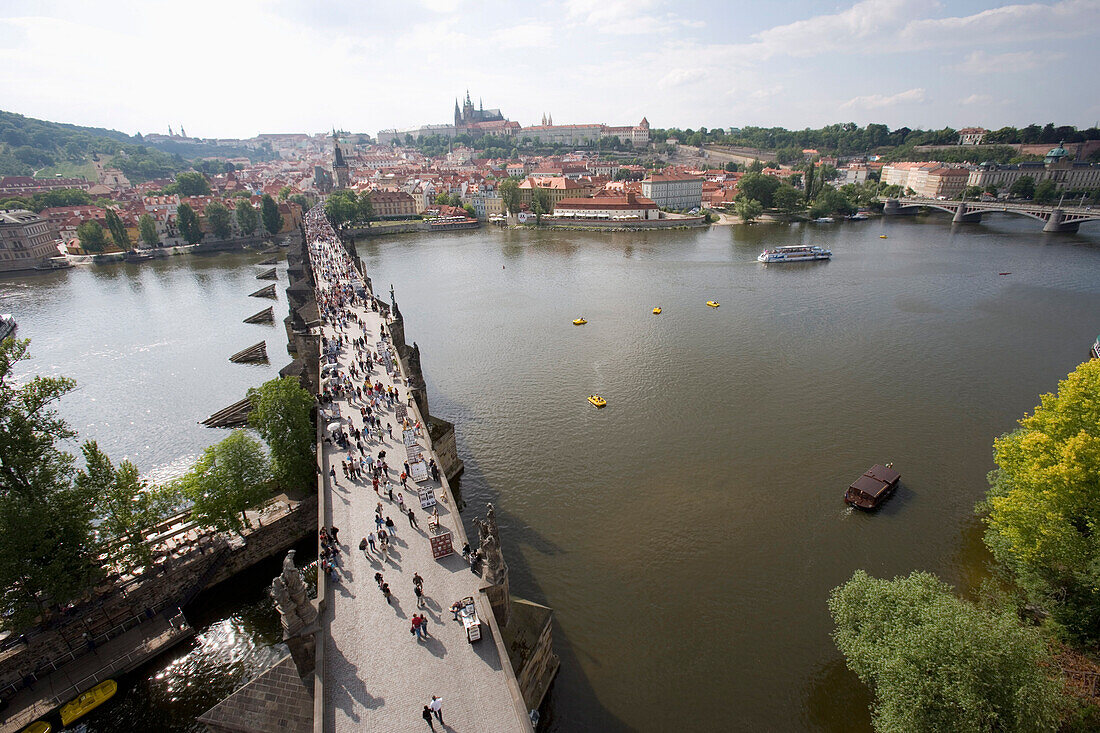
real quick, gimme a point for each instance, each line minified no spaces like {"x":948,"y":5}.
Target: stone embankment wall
{"x":621,"y":226}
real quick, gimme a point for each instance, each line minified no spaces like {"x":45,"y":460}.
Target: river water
{"x":688,"y":534}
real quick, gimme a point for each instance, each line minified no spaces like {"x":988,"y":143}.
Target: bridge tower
{"x":1055,"y":223}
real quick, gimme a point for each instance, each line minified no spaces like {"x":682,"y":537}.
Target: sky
{"x":235,"y":68}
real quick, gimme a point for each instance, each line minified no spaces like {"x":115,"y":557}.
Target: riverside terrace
{"x":376,"y":674}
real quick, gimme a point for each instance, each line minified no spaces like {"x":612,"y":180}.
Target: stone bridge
{"x":1055,"y":218}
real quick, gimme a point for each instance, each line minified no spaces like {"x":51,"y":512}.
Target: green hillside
{"x":28,"y":145}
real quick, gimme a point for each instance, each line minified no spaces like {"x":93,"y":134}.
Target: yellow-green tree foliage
{"x":1043,"y":507}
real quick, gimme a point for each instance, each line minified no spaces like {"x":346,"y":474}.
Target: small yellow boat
{"x":657,"y":311}
{"x":88,"y":701}
{"x":597,"y":400}
{"x":882,"y":236}
{"x":40,"y":727}
{"x":713,"y":303}
{"x":579,"y":321}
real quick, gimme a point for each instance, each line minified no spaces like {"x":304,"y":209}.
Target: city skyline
{"x":284,"y":67}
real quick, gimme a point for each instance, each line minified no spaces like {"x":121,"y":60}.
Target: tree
{"x":188,"y":222}
{"x":787,"y":199}
{"x":810,"y":183}
{"x":92,"y":237}
{"x":218,"y":217}
{"x":228,"y":479}
{"x":365,"y":206}
{"x":192,"y":183}
{"x":269,"y":213}
{"x":1046,"y":192}
{"x":1024,"y":187}
{"x":117,"y":230}
{"x":302,"y":200}
{"x":1042,"y":510}
{"x":758,"y":187}
{"x":509,"y":195}
{"x":247,"y":217}
{"x":938,"y":663}
{"x":749,"y":209}
{"x":972,"y":192}
{"x":148,"y":228}
{"x":755,"y":167}
{"x":125,"y":503}
{"x":540,"y":204}
{"x":284,"y":192}
{"x":281,"y":414}
{"x":47,"y":554}
{"x":341,"y":207}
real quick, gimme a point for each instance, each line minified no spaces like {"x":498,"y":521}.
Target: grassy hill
{"x":28,"y":145}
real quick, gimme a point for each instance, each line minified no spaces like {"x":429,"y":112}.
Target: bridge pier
{"x":962,"y":216}
{"x":893,"y":207}
{"x":1055,"y":223}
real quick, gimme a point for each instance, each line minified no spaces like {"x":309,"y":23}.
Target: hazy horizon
{"x":281,"y":66}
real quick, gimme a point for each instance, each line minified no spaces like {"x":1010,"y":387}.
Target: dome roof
{"x":1058,"y":152}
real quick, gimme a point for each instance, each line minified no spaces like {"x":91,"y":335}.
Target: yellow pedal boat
{"x":88,"y":701}
{"x":713,"y":303}
{"x":657,"y":311}
{"x":579,"y":321}
{"x":597,"y":400}
{"x":882,"y":236}
{"x":40,"y":727}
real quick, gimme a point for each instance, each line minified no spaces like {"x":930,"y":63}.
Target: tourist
{"x":390,"y":527}
{"x":424,"y":626}
{"x":386,"y":592}
{"x":419,"y":593}
{"x":370,"y":542}
{"x":427,"y":715}
{"x":412,"y":520}
{"x":456,"y":608}
{"x":335,"y":531}
{"x":378,"y":579}
{"x":437,"y":708}
{"x":401,"y":502}
{"x":466,"y":551}
{"x":363,"y":546}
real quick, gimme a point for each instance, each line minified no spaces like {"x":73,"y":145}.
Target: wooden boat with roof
{"x":873,"y":487}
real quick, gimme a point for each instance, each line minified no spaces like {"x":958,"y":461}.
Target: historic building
{"x":392,"y":204}
{"x":629,"y":206}
{"x":340,"y":171}
{"x":26,"y":241}
{"x":674,"y":190}
{"x":468,"y":119}
{"x":1057,"y":166}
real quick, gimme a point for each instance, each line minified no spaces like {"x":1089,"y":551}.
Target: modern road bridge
{"x":1055,"y":218}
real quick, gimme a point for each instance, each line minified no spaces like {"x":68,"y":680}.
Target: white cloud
{"x":881,"y":101}
{"x":1012,"y":62}
{"x":983,"y":99}
{"x":1008,"y":23}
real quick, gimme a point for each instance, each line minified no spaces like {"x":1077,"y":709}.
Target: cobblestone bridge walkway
{"x":377,"y":674}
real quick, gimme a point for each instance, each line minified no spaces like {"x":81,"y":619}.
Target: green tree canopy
{"x":117,"y":230}
{"x":148,"y":229}
{"x":759,"y":187}
{"x":188,"y":222}
{"x":47,"y":552}
{"x":748,"y":209}
{"x":219,"y":219}
{"x":127,"y":505}
{"x":281,"y":414}
{"x":247,"y":217}
{"x":1024,"y":187}
{"x":341,"y":207}
{"x":540,"y":204}
{"x":229,"y":478}
{"x":1043,"y":506}
{"x":1046,"y":192}
{"x":787,"y":199}
{"x":192,"y":183}
{"x":939,"y":664}
{"x":366,"y":207}
{"x":509,"y":195}
{"x":285,"y":192}
{"x":92,"y":236}
{"x":269,"y":214}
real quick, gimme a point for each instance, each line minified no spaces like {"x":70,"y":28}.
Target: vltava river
{"x":688,"y":534}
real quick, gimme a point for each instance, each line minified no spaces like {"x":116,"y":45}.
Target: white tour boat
{"x":794,"y":254}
